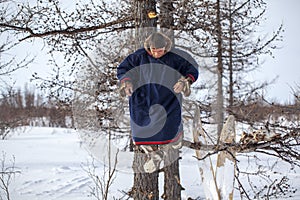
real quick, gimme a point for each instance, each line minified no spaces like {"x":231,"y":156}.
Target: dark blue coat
{"x":155,"y":109}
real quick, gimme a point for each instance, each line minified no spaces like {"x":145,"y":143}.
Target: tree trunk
{"x":230,"y":64}
{"x":166,"y":20}
{"x":145,"y":184}
{"x":220,"y":101}
{"x":172,"y":187}
{"x":143,"y":24}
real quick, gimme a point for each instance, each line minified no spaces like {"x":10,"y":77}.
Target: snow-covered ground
{"x":53,"y":164}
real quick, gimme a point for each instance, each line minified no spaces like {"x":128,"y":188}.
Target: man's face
{"x":157,"y":52}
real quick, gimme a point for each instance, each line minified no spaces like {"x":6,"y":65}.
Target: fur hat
{"x":158,"y":40}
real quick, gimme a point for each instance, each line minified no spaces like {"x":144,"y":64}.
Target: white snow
{"x":53,"y":163}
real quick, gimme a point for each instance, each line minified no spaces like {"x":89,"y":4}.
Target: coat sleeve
{"x":189,"y":67}
{"x":191,"y":71}
{"x":125,"y":70}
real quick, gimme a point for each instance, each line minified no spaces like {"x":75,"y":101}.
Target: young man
{"x":153,"y":78}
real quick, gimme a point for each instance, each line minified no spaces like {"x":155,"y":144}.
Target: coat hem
{"x":159,"y":142}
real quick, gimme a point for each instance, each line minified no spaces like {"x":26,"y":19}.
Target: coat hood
{"x":167,"y":41}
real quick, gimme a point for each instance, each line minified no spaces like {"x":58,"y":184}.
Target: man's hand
{"x":126,"y":89}
{"x":178,"y":87}
{"x":183,"y":85}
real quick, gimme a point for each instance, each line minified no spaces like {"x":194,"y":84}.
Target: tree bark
{"x":172,"y":186}
{"x":145,"y":184}
{"x":220,"y":96}
{"x":230,"y":64}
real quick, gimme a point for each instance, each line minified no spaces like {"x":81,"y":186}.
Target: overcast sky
{"x":286,"y":63}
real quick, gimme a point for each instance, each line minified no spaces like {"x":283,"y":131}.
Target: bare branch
{"x":69,"y":30}
{"x":282,"y":147}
